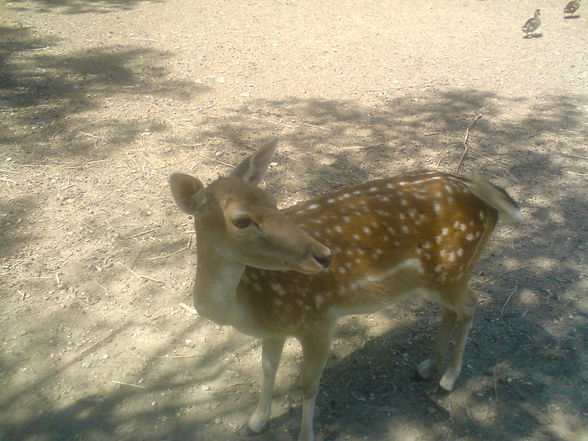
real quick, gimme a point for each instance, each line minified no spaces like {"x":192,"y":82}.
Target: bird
{"x":532,"y":24}
{"x":571,"y":7}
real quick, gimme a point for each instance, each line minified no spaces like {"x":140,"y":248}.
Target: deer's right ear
{"x":188,"y":192}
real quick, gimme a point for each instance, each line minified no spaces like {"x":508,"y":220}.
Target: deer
{"x":277,"y":273}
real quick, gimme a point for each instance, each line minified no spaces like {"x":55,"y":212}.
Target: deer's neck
{"x":216,"y":285}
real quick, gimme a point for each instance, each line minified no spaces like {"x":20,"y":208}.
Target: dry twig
{"x":97,"y":343}
{"x":509,"y":297}
{"x":465,"y":141}
{"x":139,"y":276}
{"x":127,"y":384}
{"x":187,"y":247}
{"x":189,"y":308}
{"x":215,"y":160}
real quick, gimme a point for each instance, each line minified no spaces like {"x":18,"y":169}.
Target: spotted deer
{"x":275,"y":273}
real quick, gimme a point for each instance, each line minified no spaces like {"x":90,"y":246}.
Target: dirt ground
{"x":101,"y":100}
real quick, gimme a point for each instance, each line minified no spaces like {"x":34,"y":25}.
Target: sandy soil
{"x":101,"y":100}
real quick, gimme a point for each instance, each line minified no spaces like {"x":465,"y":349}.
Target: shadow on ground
{"x":79,"y":6}
{"x":46,"y":98}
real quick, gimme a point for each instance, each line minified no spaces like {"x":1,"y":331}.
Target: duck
{"x":532,"y":24}
{"x":571,"y":7}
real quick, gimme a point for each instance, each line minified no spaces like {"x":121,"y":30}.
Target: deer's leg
{"x":270,"y":359}
{"x":466,"y":318}
{"x":427,"y":367}
{"x":315,"y":352}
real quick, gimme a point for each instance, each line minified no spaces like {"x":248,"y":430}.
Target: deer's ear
{"x":253,"y":169}
{"x":188,"y":192}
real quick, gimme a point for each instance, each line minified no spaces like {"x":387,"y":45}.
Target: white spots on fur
{"x":374,"y":190}
{"x":427,"y":245}
{"x":319,"y":300}
{"x":401,"y":216}
{"x":459,"y":252}
{"x":451,"y":256}
{"x":330,"y":201}
{"x":257,"y":287}
{"x":360,"y":251}
{"x":367,"y":230}
{"x":356,"y":236}
{"x":438,"y":239}
{"x":346,"y":219}
{"x":412,"y":213}
{"x":313,"y":206}
{"x":403,"y":202}
{"x":278,"y":288}
{"x":437,"y":207}
{"x":401,"y":268}
{"x":438,"y":269}
{"x":481,"y":214}
{"x":405,"y":229}
{"x":357,"y":192}
{"x":389,"y":186}
{"x":341,"y":270}
{"x":469,"y":237}
{"x":444,"y":231}
{"x":338,"y":229}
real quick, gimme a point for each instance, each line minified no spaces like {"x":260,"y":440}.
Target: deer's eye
{"x":242,"y":222}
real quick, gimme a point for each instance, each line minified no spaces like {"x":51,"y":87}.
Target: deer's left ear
{"x":253,"y":169}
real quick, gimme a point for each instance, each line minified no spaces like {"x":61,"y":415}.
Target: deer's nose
{"x":323,"y":260}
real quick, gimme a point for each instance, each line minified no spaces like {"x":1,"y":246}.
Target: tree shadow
{"x":80,"y":6}
{"x":46,"y":96}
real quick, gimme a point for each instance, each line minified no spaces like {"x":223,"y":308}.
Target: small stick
{"x":139,"y":276}
{"x":143,"y":233}
{"x":465,"y":141}
{"x":127,"y":384}
{"x":313,"y":126}
{"x":92,"y":136}
{"x":271,"y":122}
{"x":575,"y":156}
{"x":188,"y":308}
{"x":215,"y":160}
{"x":495,"y":386}
{"x":187,"y":247}
{"x":7,"y":171}
{"x":97,"y":343}
{"x":7,"y":180}
{"x":509,"y":297}
{"x":179,"y":356}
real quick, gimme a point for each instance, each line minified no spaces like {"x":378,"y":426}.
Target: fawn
{"x":275,"y":273}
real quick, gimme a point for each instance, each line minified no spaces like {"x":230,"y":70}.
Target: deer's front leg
{"x":315,"y":352}
{"x":270,"y":359}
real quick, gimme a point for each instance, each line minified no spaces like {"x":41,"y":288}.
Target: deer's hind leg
{"x":437,"y":357}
